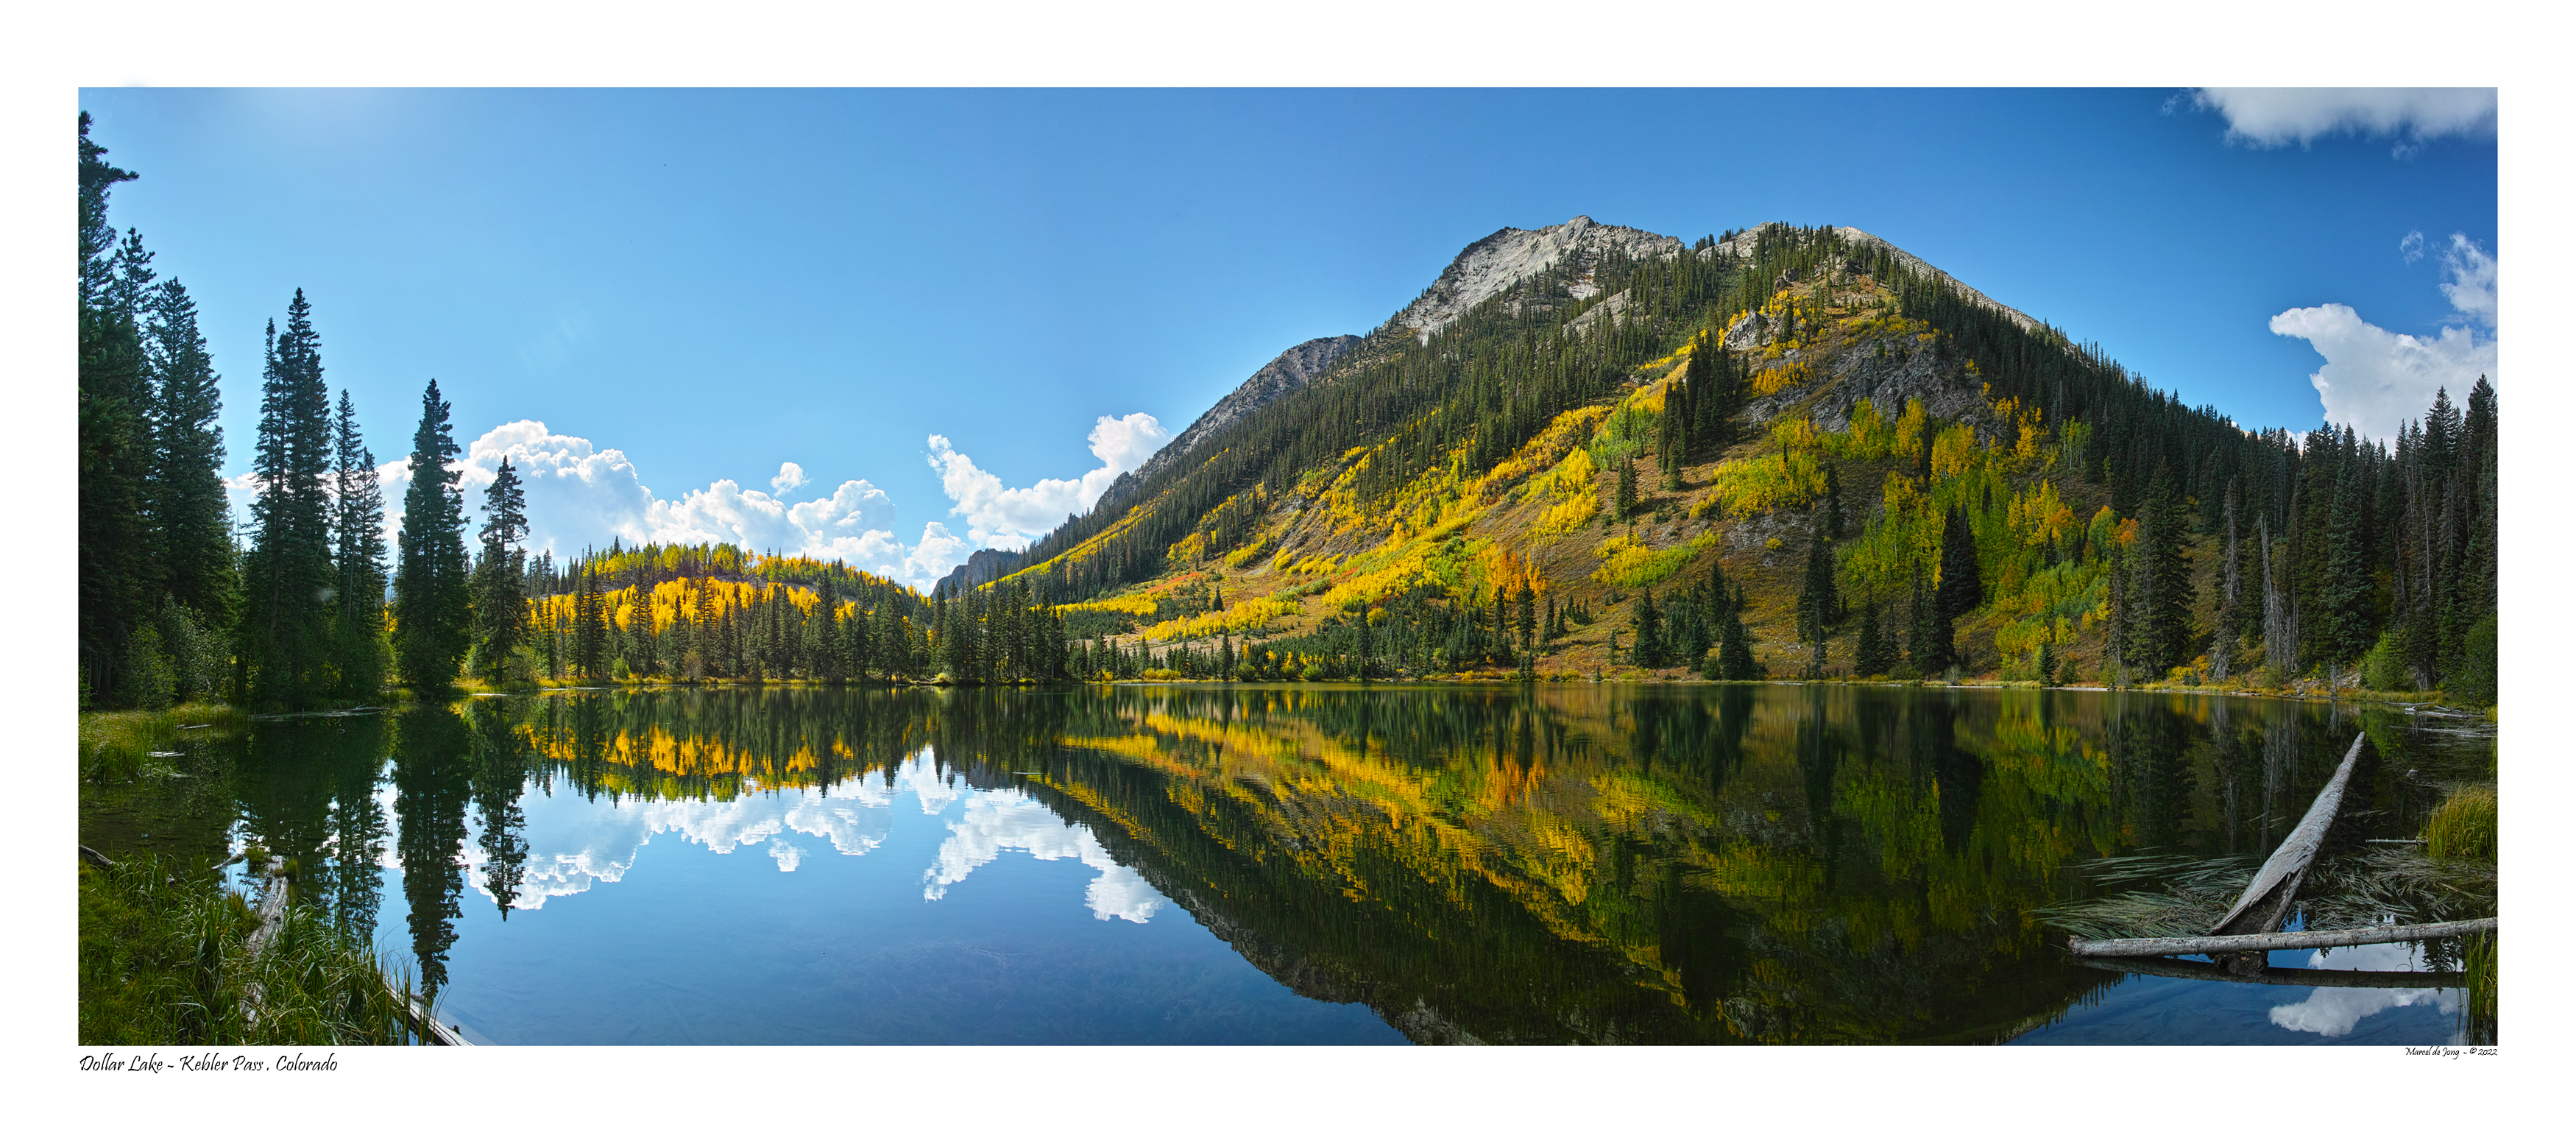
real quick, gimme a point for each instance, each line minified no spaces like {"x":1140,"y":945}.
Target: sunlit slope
{"x":1753,"y":391}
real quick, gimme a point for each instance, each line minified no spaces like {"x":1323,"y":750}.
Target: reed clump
{"x":163,"y":961}
{"x":2464,"y":826}
{"x":114,"y":745}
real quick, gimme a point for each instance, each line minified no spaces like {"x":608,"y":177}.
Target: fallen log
{"x":2275,"y":888}
{"x":2282,"y":977}
{"x":2262,"y":942}
{"x":438,"y":1034}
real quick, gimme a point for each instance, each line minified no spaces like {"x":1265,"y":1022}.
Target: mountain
{"x":1587,"y":449}
{"x":1292,"y":369}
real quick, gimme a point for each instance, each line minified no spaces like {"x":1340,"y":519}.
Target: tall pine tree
{"x":358,"y":520}
{"x":433,"y":603}
{"x":500,"y":576}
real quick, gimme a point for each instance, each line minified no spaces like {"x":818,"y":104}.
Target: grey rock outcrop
{"x":1291,"y":370}
{"x":1494,"y":264}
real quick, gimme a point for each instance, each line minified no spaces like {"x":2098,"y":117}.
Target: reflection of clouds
{"x":1009,"y":820}
{"x":2333,"y":1011}
{"x":576,"y":842}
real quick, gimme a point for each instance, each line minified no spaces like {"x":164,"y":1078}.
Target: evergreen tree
{"x":191,"y":522}
{"x":433,"y":602}
{"x":2157,"y":617}
{"x":500,"y":583}
{"x":1872,"y":655}
{"x":1735,"y":644}
{"x":285,"y":628}
{"x":2343,"y":620}
{"x":115,"y":566}
{"x":1648,"y":623}
{"x":1817,"y":602}
{"x":358,"y":560}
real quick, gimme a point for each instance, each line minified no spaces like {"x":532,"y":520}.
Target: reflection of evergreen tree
{"x":357,"y":826}
{"x":500,"y":775}
{"x":432,"y":771}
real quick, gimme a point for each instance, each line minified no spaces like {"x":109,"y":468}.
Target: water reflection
{"x":1560,"y":863}
{"x":2333,"y":1011}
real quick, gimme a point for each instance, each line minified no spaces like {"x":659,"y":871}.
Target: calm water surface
{"x":1300,"y":864}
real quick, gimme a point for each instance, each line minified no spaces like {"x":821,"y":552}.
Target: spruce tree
{"x":2157,"y":622}
{"x":358,"y":560}
{"x":433,"y":596}
{"x":1817,"y":602}
{"x":115,"y":566}
{"x":1871,"y":655}
{"x":1735,"y":644}
{"x":500,"y":583}
{"x":2343,"y":618}
{"x":285,"y":628}
{"x":191,"y":521}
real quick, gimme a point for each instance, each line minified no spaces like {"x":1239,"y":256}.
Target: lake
{"x":1324,"y":864}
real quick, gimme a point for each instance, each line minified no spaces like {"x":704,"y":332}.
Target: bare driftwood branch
{"x":2275,"y":887}
{"x":2286,"y":977}
{"x":2267,"y":941}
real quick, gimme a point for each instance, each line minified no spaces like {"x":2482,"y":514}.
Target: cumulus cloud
{"x":2334,"y":1011}
{"x":2376,"y":380}
{"x":2411,"y":248}
{"x":580,"y":495}
{"x":2472,"y":284}
{"x":998,"y":821}
{"x":1009,"y":518}
{"x":2275,"y":116}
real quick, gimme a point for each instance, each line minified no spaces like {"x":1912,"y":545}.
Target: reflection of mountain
{"x":1602,"y":867}
{"x":1551,"y":864}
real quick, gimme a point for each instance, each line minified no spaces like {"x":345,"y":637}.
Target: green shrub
{"x":2384,"y":667}
{"x":2476,"y":683}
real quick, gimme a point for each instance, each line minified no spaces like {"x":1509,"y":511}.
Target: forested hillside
{"x":1789,"y":451}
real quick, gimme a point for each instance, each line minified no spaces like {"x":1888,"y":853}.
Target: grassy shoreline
{"x":165,"y":959}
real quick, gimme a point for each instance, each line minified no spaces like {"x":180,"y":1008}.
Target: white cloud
{"x":580,"y":495}
{"x":1009,"y":518}
{"x":2376,"y":380}
{"x":2333,"y":1011}
{"x":2276,"y":116}
{"x":2472,"y":286}
{"x":999,"y":821}
{"x":2411,"y":248}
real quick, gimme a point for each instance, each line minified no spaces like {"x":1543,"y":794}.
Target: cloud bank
{"x":2276,"y":116}
{"x":581,"y":495}
{"x":2376,"y":380}
{"x":1008,"y":518}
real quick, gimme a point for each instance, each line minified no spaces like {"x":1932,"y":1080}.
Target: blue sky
{"x":713,"y":283}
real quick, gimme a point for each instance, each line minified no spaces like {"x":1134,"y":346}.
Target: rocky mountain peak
{"x":1492,"y":265}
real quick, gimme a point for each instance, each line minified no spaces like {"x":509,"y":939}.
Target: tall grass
{"x":2464,"y":826}
{"x":163,"y":962}
{"x":2478,"y":960}
{"x":113,"y":745}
